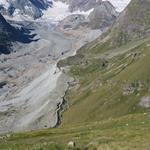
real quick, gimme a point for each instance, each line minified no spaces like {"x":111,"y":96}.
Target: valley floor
{"x":34,"y":86}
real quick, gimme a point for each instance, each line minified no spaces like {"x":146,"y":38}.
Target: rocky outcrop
{"x":72,"y":22}
{"x":145,"y":102}
{"x":4,"y":37}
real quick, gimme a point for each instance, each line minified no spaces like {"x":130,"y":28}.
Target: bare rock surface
{"x":145,"y":102}
{"x":102,"y":16}
{"x":83,"y":5}
{"x":72,"y":22}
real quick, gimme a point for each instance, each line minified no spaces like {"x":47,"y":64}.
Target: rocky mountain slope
{"x":134,"y":23}
{"x":88,"y":4}
{"x":4,"y":37}
{"x":10,"y":34}
{"x":83,"y":5}
{"x":16,"y":8}
{"x":101,"y":17}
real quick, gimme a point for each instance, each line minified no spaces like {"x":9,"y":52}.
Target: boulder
{"x":145,"y":102}
{"x":71,"y":144}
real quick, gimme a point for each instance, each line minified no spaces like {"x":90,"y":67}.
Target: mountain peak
{"x":30,"y":8}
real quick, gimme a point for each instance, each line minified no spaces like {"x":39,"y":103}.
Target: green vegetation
{"x":128,"y":132}
{"x":110,"y":87}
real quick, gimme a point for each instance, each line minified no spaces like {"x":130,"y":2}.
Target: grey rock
{"x":2,"y":84}
{"x":72,"y":22}
{"x":145,"y":102}
{"x":83,"y":5}
{"x":9,"y":34}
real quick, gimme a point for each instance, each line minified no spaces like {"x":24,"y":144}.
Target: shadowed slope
{"x":9,"y":34}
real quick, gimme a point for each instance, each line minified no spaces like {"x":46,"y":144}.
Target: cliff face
{"x":83,"y":5}
{"x":102,"y":16}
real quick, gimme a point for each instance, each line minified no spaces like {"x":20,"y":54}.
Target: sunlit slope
{"x":129,"y":132}
{"x":111,"y":86}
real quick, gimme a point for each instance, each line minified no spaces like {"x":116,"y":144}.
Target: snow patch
{"x":59,"y":11}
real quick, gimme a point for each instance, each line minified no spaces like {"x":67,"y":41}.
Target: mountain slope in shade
{"x":87,"y":4}
{"x":83,"y":5}
{"x":10,"y":34}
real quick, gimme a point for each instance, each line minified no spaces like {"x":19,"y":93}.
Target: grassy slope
{"x":128,"y":132}
{"x":100,"y":92}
